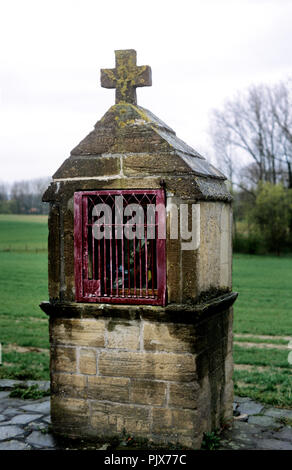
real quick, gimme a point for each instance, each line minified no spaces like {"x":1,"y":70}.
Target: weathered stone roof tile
{"x":200,"y":166}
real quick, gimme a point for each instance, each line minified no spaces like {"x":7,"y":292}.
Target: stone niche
{"x":160,"y":372}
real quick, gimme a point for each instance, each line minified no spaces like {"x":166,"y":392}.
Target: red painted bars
{"x":108,"y":270}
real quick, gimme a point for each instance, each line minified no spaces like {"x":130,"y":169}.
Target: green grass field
{"x":264,"y":305}
{"x":262,"y":320}
{"x":23,"y":232}
{"x":263,"y":308}
{"x":23,"y":284}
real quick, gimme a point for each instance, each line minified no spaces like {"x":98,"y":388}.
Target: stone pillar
{"x":160,"y":372}
{"x":157,"y":375}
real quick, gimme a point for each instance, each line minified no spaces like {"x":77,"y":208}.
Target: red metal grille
{"x":119,"y":253}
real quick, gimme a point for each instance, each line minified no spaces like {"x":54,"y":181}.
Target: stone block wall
{"x":207,"y":270}
{"x":190,"y":273}
{"x":214,"y":268}
{"x":167,"y":382}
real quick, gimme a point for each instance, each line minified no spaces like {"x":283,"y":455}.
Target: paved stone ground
{"x":258,"y":426}
{"x":25,"y":424}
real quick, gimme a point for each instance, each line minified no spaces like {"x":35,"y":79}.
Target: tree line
{"x":252,"y":142}
{"x":23,"y":197}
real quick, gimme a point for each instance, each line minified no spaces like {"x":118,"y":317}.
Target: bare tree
{"x":224,"y":150}
{"x":281,"y":107}
{"x":4,"y":191}
{"x":27,"y":195}
{"x":252,"y":136}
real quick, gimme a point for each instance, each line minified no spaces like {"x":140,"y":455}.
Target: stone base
{"x":167,"y":382}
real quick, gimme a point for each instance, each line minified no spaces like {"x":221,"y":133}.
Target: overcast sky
{"x":200,"y":52}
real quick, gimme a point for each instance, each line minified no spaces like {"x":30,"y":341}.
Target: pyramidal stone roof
{"x":127,"y":128}
{"x":130,"y":141}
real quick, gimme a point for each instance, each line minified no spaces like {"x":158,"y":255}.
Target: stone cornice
{"x":175,"y":313}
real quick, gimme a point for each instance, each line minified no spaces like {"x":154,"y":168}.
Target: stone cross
{"x":126,"y":77}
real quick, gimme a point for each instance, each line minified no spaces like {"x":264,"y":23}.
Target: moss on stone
{"x":211,"y":293}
